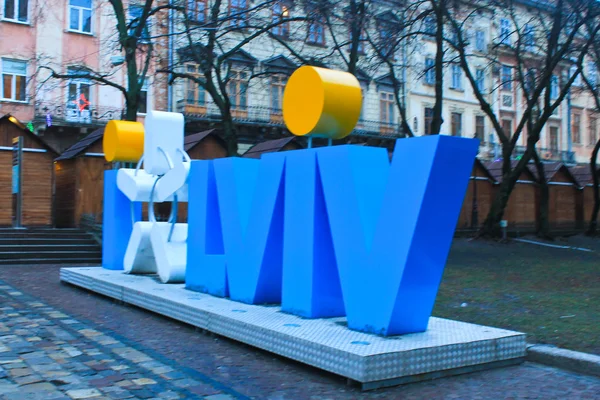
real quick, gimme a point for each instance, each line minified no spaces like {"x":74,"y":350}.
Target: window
{"x":507,"y":127}
{"x":593,"y":131}
{"x":238,"y":10}
{"x":277,"y":87}
{"x":386,"y":108}
{"x":456,"y":77}
{"x":80,"y":16}
{"x":505,"y":31}
{"x":195,"y":94}
{"x":143,"y":100}
{"x":316,"y":31}
{"x":429,"y":71}
{"x":480,"y":44}
{"x":197,"y":10}
{"x":281,"y":12}
{"x":135,"y":13}
{"x":237,"y":90}
{"x":553,"y":140}
{"x":14,"y":80}
{"x":16,"y":10}
{"x":554,"y":87}
{"x":78,"y":97}
{"x":506,"y":77}
{"x":387,"y":37}
{"x":480,"y":127}
{"x":480,"y":79}
{"x":428,"y":120}
{"x":528,"y":37}
{"x":456,"y":122}
{"x":576,"y":127}
{"x":430,"y":26}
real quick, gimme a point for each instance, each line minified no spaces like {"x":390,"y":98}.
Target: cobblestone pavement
{"x":232,"y":369}
{"x":46,"y":354}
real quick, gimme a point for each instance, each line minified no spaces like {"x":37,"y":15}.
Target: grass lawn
{"x":551,"y":294}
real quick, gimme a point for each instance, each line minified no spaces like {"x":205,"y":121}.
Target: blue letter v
{"x":392,"y":226}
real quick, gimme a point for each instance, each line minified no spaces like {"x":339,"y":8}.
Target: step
{"x":46,"y":241}
{"x":49,"y":234}
{"x":49,"y":255}
{"x":57,"y":261}
{"x":9,"y":248}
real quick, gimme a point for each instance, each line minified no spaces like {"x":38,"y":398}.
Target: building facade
{"x":68,"y":34}
{"x":64,"y":36}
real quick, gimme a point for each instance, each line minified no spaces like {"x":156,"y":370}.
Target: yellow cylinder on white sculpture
{"x":123,"y":141}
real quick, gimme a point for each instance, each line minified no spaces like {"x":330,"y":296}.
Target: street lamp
{"x":474,"y":207}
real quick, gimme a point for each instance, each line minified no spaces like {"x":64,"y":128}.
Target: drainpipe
{"x":569,"y":139}
{"x":404,"y":80}
{"x":170,"y":57}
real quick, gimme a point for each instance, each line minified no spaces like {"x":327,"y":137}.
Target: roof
{"x":583,"y":174}
{"x":279,"y":64}
{"x":242,"y":57}
{"x":485,"y":170}
{"x":551,"y":169}
{"x":270,"y":146}
{"x":190,"y":141}
{"x":385,"y":80}
{"x":27,"y":132}
{"x":82,"y":145}
{"x":495,"y":169}
{"x":362,"y":76}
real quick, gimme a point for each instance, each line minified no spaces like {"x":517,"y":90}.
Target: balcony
{"x":264,"y":116}
{"x":69,"y":114}
{"x":566,"y":157}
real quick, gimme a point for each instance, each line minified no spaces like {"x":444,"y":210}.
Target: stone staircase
{"x":48,"y":246}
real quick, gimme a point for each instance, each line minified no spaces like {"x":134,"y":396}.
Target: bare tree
{"x":213,"y":40}
{"x":542,"y":44}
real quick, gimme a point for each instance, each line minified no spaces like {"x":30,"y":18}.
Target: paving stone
{"x":83,"y":393}
{"x":169,"y":395}
{"x":203,"y":390}
{"x":6,"y":387}
{"x":219,"y":397}
{"x":26,"y":380}
{"x":17,"y":372}
{"x":143,"y":381}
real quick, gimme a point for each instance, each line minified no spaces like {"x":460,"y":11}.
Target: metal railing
{"x":567,"y":157}
{"x":70,"y":113}
{"x":253,"y":115}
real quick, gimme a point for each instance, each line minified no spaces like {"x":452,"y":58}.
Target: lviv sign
{"x":325,"y":232}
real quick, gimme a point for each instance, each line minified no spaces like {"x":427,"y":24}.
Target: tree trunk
{"x":592,"y":229}
{"x":229,"y":134}
{"x":543,"y":228}
{"x":491,"y":225}
{"x":437,"y":120}
{"x":131,"y":109}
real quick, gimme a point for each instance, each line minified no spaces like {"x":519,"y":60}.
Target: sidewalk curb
{"x":576,"y":361}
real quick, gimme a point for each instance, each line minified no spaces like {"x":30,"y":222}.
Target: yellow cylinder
{"x":123,"y":141}
{"x":320,"y":101}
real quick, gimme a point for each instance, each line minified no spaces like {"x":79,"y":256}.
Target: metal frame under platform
{"x":446,"y":348}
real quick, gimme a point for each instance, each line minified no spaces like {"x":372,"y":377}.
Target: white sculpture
{"x":158,"y":247}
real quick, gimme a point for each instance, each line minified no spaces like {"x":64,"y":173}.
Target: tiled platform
{"x":446,"y":348}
